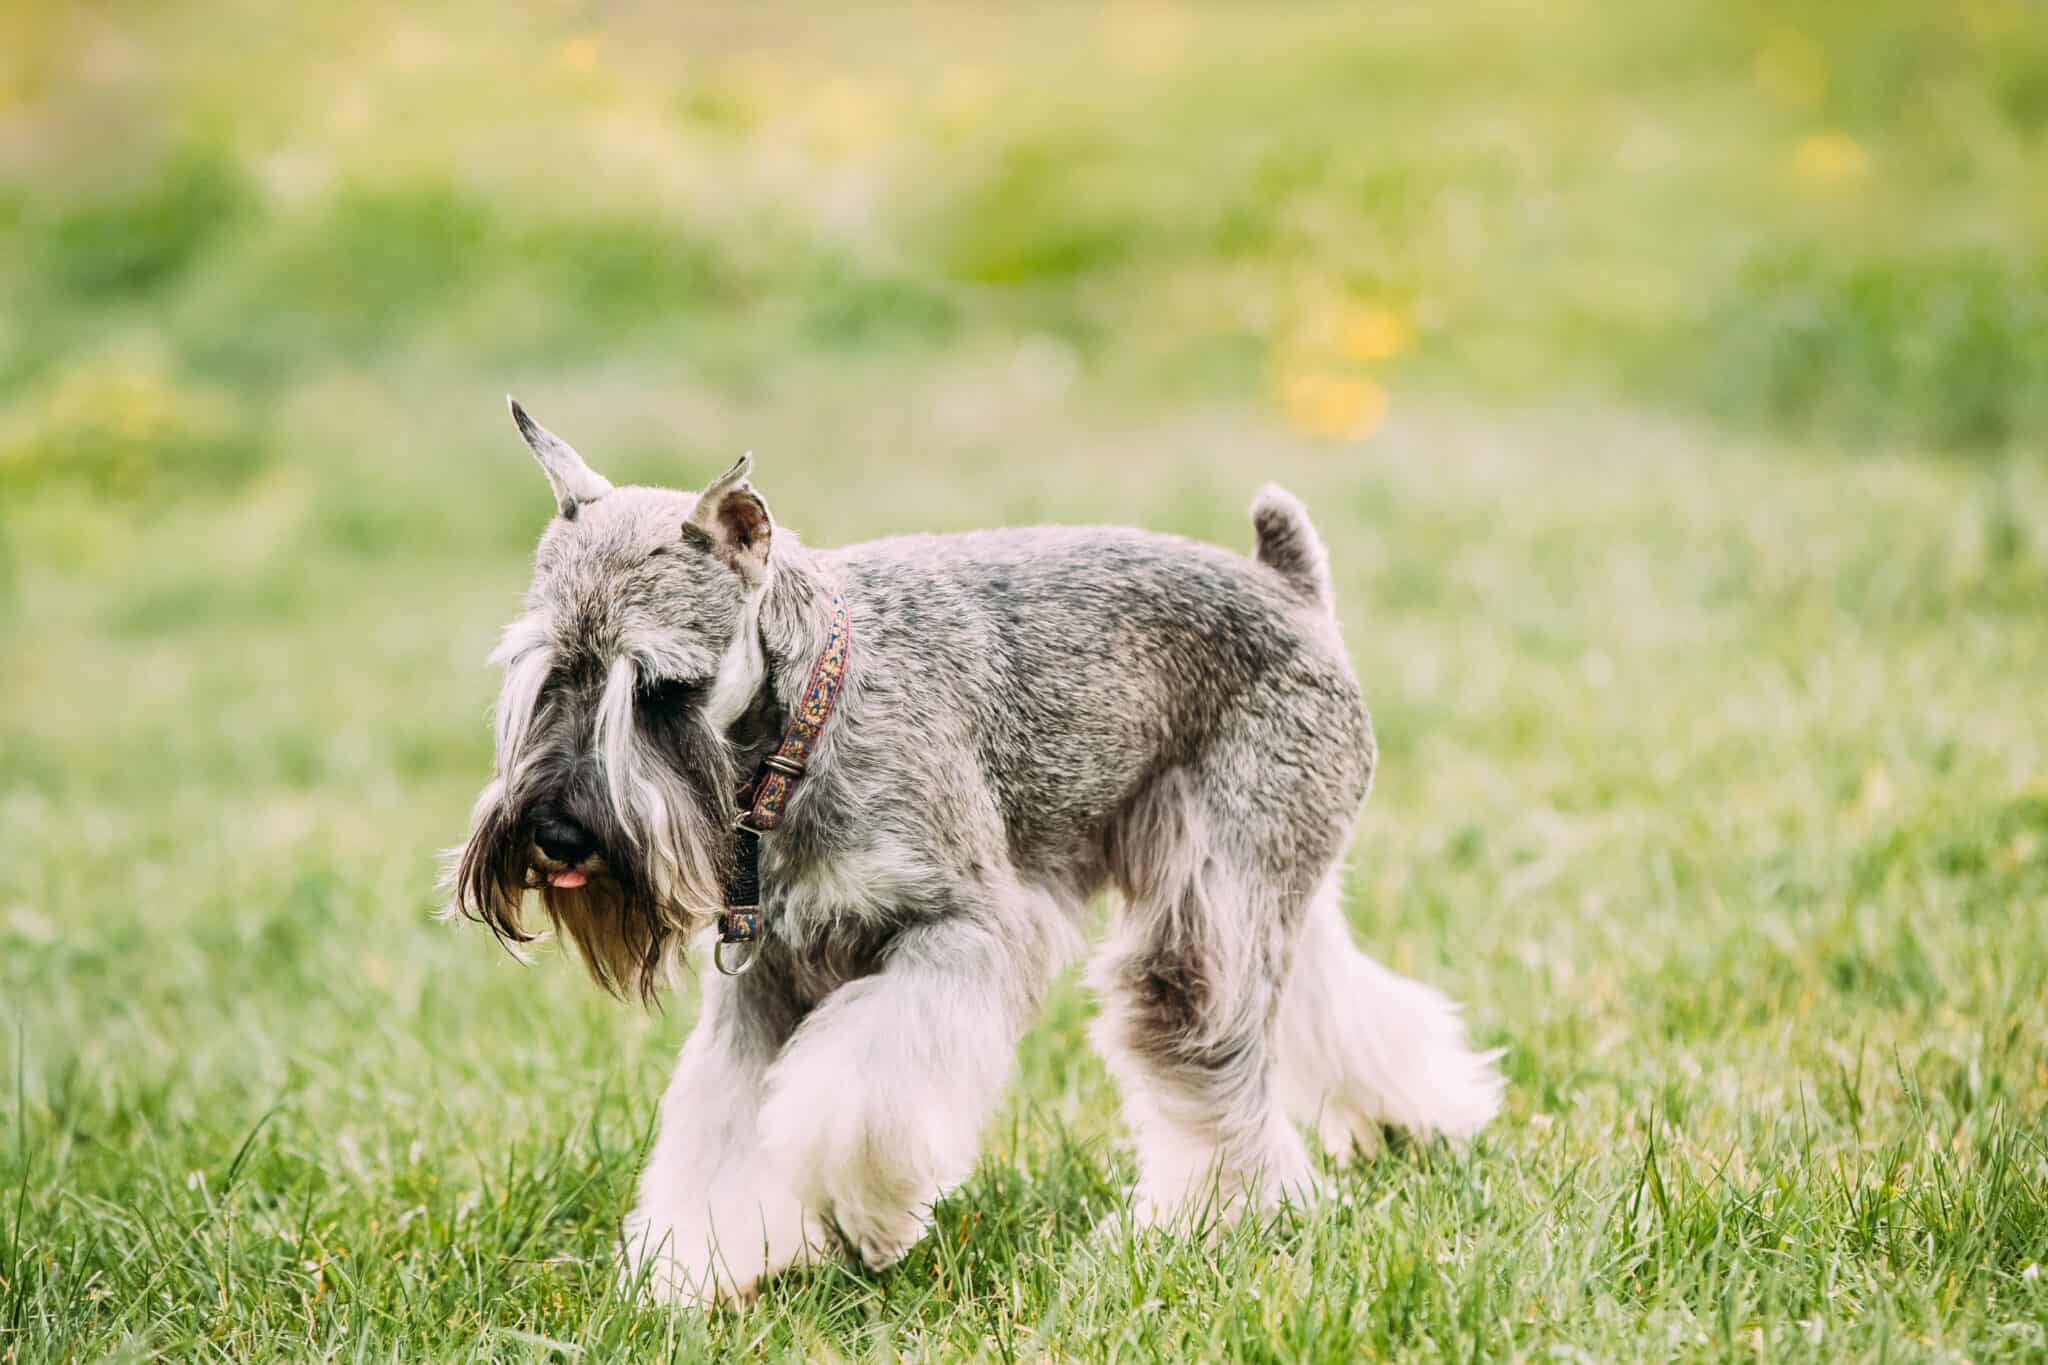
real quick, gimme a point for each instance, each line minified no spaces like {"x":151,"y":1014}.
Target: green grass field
{"x":1670,"y":383}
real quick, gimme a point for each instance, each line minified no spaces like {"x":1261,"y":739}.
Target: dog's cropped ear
{"x":732,"y":517}
{"x":574,"y":482}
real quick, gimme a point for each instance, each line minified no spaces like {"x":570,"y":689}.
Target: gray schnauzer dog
{"x":1016,"y":721}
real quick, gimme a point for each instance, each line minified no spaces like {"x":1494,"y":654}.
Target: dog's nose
{"x":562,"y":838}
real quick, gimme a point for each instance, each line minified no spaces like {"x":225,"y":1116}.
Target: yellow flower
{"x":1322,"y":403}
{"x":849,"y":116}
{"x":580,"y":55}
{"x":1831,"y":157}
{"x":1374,"y":333}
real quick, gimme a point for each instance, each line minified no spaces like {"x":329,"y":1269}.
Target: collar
{"x":764,"y":800}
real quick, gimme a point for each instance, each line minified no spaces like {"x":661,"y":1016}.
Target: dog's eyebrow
{"x":523,"y":636}
{"x":524,"y":655}
{"x":526,"y":674}
{"x":673,"y":661}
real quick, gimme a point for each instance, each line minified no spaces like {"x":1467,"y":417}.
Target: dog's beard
{"x":662,"y":817}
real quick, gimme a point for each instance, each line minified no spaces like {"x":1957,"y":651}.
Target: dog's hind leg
{"x":1361,"y":1046}
{"x":878,"y":1102}
{"x":1188,"y":982}
{"x":714,"y":1218}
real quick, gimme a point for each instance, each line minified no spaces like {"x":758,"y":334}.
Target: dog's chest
{"x":829,"y":917}
{"x":872,"y":879}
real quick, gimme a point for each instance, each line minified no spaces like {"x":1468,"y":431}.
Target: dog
{"x":889,"y":780}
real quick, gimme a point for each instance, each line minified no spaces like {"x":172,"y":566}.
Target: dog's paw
{"x":1149,"y":1221}
{"x":723,"y":1255}
{"x":881,"y":1245}
{"x":1207,"y":1207}
{"x":1347,"y":1136}
{"x":647,"y":1266}
{"x":657,"y":1262}
{"x":879,"y":1253}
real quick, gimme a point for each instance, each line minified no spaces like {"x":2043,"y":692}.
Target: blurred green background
{"x":1670,"y":382}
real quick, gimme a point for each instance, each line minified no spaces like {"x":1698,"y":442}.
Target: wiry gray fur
{"x":1029,"y":717}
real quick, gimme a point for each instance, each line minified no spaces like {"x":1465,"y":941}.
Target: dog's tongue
{"x":568,"y":878}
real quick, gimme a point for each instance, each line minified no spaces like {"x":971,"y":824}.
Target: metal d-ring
{"x":753,"y":947}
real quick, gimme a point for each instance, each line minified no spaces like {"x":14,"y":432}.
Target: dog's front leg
{"x":715,"y":1214}
{"x":877,"y":1104}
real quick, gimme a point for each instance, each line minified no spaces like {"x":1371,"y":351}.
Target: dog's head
{"x":612,"y":796}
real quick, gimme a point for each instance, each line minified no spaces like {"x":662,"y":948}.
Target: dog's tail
{"x":1289,"y":545}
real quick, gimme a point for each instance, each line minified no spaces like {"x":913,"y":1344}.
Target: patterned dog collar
{"x":765,"y":799}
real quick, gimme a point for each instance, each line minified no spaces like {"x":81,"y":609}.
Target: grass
{"x":1667,"y":385}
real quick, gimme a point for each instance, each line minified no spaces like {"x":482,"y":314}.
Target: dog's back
{"x":1079,"y":665}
